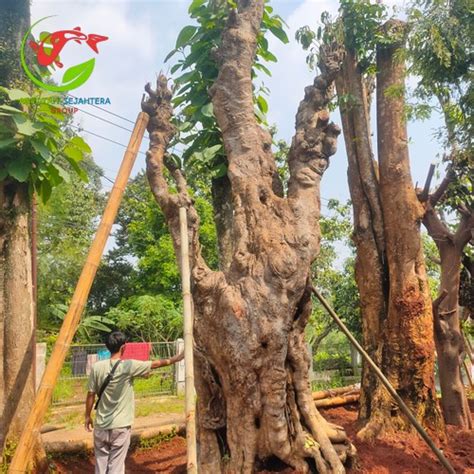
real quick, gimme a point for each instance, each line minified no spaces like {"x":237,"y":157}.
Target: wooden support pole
{"x":190,"y":396}
{"x":442,"y":459}
{"x":25,"y":449}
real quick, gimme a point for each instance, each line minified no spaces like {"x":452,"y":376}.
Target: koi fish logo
{"x":47,"y":55}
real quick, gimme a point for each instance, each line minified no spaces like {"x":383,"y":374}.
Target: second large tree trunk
{"x":407,"y":332}
{"x":16,"y":310}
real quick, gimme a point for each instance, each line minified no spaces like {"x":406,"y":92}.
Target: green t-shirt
{"x":117,"y":405}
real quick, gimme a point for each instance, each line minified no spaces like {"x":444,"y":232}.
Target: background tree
{"x":67,"y":223}
{"x":251,"y":360}
{"x":389,"y":268}
{"x":32,"y":145}
{"x":440,"y":43}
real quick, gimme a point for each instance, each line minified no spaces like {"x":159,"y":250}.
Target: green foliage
{"x":90,"y":327}
{"x":148,"y":318}
{"x":143,"y":235}
{"x":33,"y":143}
{"x":66,"y":225}
{"x":334,"y":279}
{"x":198,"y":131}
{"x":358,"y":28}
{"x":440,"y":48}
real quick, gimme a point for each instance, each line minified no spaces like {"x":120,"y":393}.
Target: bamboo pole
{"x":25,"y":449}
{"x":442,"y":459}
{"x":190,"y":404}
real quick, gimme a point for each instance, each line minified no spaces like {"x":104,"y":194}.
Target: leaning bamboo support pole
{"x":189,"y":393}
{"x":25,"y":449}
{"x":442,"y":459}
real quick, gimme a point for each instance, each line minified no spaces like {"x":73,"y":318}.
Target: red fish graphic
{"x":58,"y":40}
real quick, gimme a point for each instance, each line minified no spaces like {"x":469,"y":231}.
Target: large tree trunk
{"x":16,"y":310}
{"x":370,"y":266}
{"x":16,"y":295}
{"x":408,"y":347}
{"x":253,"y":391}
{"x":389,"y":266}
{"x":447,"y":327}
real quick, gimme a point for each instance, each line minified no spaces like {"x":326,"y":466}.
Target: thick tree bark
{"x":223,"y":217}
{"x":16,"y":296}
{"x":370,"y":266}
{"x":395,"y":304}
{"x":16,"y":309}
{"x":408,"y":348}
{"x":254,"y":398}
{"x":447,"y":328}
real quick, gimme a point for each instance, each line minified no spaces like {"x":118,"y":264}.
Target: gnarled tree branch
{"x":158,"y":107}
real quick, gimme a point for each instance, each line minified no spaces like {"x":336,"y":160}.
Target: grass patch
{"x":149,"y":407}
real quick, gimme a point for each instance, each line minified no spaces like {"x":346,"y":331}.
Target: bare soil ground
{"x":397,"y":454}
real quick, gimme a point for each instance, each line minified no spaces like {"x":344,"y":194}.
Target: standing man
{"x":112,"y":381}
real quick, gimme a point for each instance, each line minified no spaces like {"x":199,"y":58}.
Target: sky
{"x":141,"y":33}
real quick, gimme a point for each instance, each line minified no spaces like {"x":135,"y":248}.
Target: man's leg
{"x":101,"y":450}
{"x":119,"y":444}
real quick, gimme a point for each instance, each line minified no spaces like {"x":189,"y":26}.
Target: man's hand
{"x":177,"y":358}
{"x":88,"y":424}
{"x":165,"y":362}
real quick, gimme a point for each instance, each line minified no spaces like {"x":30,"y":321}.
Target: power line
{"x":106,"y":111}
{"x":107,"y":121}
{"x":103,"y":138}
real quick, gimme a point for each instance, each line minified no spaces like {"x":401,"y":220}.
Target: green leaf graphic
{"x":76,"y":75}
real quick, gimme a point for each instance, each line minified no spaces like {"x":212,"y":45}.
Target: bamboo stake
{"x":190,"y":404}
{"x":442,"y":459}
{"x":25,"y":449}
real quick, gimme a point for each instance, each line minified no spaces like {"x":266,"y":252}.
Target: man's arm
{"x":88,"y":425}
{"x":164,"y":362}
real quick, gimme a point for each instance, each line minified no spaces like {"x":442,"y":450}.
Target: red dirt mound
{"x":397,"y":454}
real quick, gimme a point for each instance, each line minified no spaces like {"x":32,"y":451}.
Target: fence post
{"x":179,"y":369}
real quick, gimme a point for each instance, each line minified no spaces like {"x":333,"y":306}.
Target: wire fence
{"x":72,"y":384}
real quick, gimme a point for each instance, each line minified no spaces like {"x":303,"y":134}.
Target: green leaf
{"x":170,"y":54}
{"x":211,"y":152}
{"x":208,"y":110}
{"x":42,"y":149}
{"x":3,"y":173}
{"x":9,"y":108}
{"x":25,"y":126}
{"x":73,"y":153}
{"x":63,"y":174}
{"x":262,"y":104}
{"x":280,"y":34}
{"x":6,"y":142}
{"x":79,"y":170}
{"x":185,"y":35}
{"x":19,"y":169}
{"x":17,"y":94}
{"x":44,"y":190}
{"x":263,"y":68}
{"x":79,"y":143}
{"x":195,"y":5}
{"x":76,"y":75}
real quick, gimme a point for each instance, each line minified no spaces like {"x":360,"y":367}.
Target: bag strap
{"x":105,"y":383}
